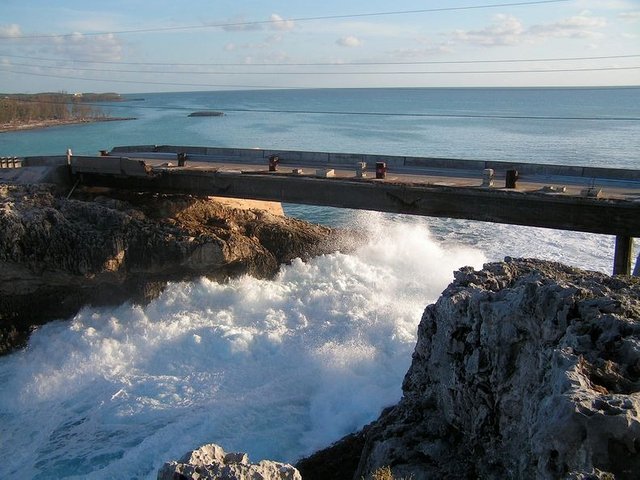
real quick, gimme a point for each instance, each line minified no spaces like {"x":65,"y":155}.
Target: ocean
{"x":280,"y":368}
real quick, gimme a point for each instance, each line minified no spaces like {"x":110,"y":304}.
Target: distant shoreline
{"x":37,"y":124}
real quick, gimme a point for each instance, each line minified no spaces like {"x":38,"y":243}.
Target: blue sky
{"x":74,"y":45}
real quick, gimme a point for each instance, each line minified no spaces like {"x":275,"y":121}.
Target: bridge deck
{"x":573,"y":186}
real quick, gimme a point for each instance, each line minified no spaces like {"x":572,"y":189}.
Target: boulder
{"x":210,"y":462}
{"x":525,"y":369}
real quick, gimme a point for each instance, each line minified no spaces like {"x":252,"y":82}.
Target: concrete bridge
{"x":579,"y":198}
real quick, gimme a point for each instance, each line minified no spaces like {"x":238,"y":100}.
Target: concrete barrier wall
{"x":288,"y":156}
{"x":168,"y":156}
{"x":617,"y":173}
{"x":436,"y":162}
{"x":337,"y":158}
{"x":133,"y":167}
{"x":104,"y":165}
{"x":134,"y":148}
{"x":252,"y":153}
{"x":536,"y":168}
{"x":42,"y":161}
{"x":110,"y":165}
{"x":346,"y":158}
{"x":203,"y":152}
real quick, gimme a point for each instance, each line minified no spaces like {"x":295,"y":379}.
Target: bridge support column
{"x":636,"y":271}
{"x":622,"y":257}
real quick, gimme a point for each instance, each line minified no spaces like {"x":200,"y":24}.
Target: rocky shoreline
{"x":38,"y":124}
{"x":106,"y":247}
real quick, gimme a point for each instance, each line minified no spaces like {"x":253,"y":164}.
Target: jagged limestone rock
{"x":210,"y":462}
{"x":525,"y":369}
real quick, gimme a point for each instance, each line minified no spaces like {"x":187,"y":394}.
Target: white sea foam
{"x":583,"y":250}
{"x":276,"y":368}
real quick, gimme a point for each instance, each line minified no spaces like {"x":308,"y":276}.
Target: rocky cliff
{"x":58,"y":254}
{"x":526,"y":369}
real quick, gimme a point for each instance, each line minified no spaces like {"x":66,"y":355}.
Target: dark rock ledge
{"x":107,"y":247}
{"x":525,"y":369}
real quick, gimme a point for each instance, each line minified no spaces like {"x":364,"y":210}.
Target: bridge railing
{"x":258,"y":155}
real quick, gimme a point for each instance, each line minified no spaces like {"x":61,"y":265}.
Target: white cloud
{"x":607,"y":4}
{"x":578,"y":26}
{"x":232,"y":47}
{"x":240,"y":24}
{"x":11,"y":30}
{"x":275,"y":38}
{"x":280,"y":24}
{"x":349,"y":41}
{"x":421,"y":52}
{"x":505,"y":30}
{"x":632,"y":16}
{"x":268,"y":57}
{"x":105,"y":47}
{"x":363,"y":29}
{"x":268,"y":42}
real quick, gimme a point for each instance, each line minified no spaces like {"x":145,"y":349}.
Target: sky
{"x":130,"y":46}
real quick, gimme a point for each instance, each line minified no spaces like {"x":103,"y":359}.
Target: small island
{"x":40,"y":110}
{"x":206,"y":113}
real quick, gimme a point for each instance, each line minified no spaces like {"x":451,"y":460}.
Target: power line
{"x":390,"y":72}
{"x":333,"y":64}
{"x":350,"y":113}
{"x":300,"y":19}
{"x":140,"y":82}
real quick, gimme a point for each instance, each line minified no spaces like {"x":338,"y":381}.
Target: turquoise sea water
{"x":458,"y":123}
{"x":280,"y":368}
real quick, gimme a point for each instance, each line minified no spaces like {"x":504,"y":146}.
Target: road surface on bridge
{"x":551,"y":184}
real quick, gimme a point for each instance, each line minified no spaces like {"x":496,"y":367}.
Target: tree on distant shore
{"x":23,"y":108}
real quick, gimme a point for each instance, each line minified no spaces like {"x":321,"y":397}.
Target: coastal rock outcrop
{"x":525,"y":369}
{"x":210,"y":462}
{"x":105,"y":247}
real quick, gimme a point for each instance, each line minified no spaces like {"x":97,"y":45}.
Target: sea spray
{"x":584,"y":250}
{"x":277,"y":368}
{"x":589,"y":251}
